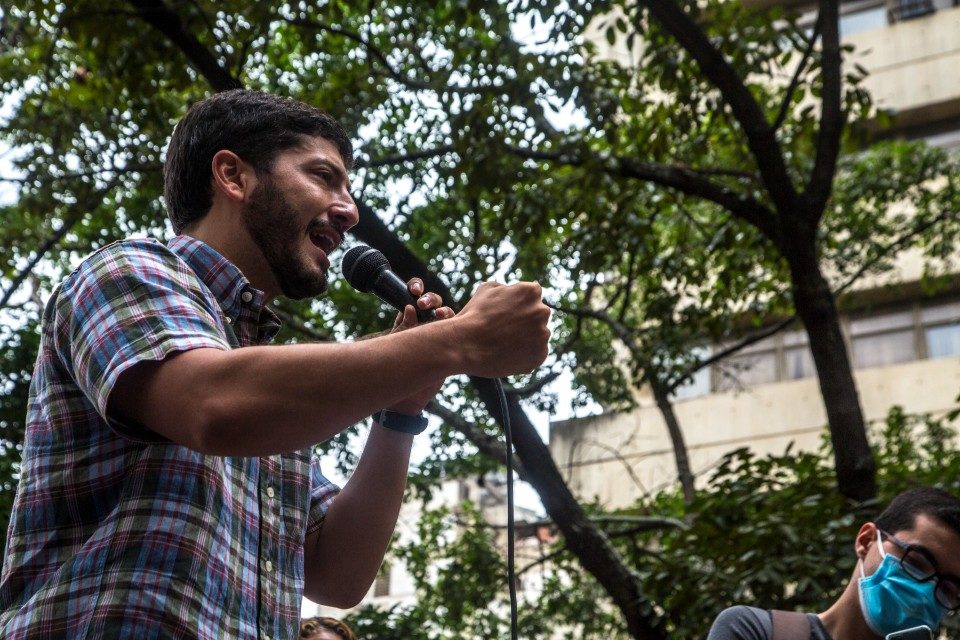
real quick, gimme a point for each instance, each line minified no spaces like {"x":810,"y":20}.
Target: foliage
{"x":18,"y":350}
{"x":458,"y":574}
{"x":768,"y":531}
{"x":491,"y":155}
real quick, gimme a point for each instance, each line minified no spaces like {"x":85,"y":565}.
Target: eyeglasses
{"x":920,"y":565}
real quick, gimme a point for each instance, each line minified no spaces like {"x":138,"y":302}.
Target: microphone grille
{"x":361,"y":265}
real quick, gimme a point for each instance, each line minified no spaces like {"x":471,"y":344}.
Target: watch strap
{"x":401,"y":421}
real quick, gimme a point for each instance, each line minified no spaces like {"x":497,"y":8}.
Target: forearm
{"x":266,"y":400}
{"x":342,"y":559}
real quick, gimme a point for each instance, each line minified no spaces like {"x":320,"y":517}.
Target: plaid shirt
{"x":119,"y":533}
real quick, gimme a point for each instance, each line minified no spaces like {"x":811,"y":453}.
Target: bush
{"x":769,"y":531}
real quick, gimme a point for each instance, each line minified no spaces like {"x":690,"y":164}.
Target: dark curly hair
{"x":310,"y":626}
{"x":254,"y":125}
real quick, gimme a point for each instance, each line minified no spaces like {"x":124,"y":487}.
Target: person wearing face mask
{"x":907,"y":575}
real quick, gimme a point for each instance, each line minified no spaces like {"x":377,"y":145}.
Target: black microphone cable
{"x":511,"y":568}
{"x":368,"y":270}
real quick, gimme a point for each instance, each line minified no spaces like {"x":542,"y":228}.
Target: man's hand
{"x":407,"y":319}
{"x":506,"y":329}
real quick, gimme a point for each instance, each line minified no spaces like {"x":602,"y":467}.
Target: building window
{"x":941,"y":330}
{"x":883,"y":339}
{"x":909,"y":9}
{"x":756,"y":364}
{"x":862,"y":19}
{"x":798,"y":361}
{"x":699,"y":384}
{"x":925,"y":330}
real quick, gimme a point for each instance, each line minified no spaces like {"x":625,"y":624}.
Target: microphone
{"x":367,"y":270}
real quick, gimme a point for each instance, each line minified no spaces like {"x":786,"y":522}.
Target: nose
{"x":345,"y":213}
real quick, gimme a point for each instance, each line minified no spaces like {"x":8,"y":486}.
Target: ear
{"x":866,"y":538}
{"x":232,"y":177}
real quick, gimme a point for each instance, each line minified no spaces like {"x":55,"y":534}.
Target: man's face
{"x":298,"y":214}
{"x":934,"y":547}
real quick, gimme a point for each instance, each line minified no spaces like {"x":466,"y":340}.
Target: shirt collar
{"x":236,"y":295}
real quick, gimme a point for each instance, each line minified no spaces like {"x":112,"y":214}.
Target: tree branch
{"x":795,"y":80}
{"x":487,"y":444}
{"x":411,"y":83}
{"x":158,"y":15}
{"x":153,"y":166}
{"x":646,"y":523}
{"x":38,"y":256}
{"x":721,"y":171}
{"x":621,"y":330}
{"x":78,"y":211}
{"x":615,"y":452}
{"x":753,"y":338}
{"x":786,"y":322}
{"x":639,"y":528}
{"x":832,"y":118}
{"x":534,"y":385}
{"x":405,"y":157}
{"x":760,"y":136}
{"x":894,"y":245}
{"x":680,"y":178}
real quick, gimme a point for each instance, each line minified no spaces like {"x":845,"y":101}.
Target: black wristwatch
{"x":401,"y":421}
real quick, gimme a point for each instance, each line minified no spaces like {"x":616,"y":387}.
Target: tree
{"x":100,"y":90}
{"x":462,"y":151}
{"x":768,"y":530}
{"x":741,"y":161}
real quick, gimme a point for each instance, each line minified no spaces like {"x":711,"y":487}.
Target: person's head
{"x":280,"y":164}
{"x":325,"y":628}
{"x":909,"y":561}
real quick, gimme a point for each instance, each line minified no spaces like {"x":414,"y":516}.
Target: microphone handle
{"x":391,"y":289}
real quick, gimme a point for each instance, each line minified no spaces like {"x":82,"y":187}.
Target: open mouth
{"x":324,"y":239}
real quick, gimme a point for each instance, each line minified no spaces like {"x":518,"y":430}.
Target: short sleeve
{"x":742,"y":623}
{"x":322,"y":493}
{"x":131,"y":302}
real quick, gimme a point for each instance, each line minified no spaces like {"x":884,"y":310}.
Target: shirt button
{"x":246,"y":296}
{"x":270,"y":492}
{"x":268,"y":566}
{"x":229,"y":320}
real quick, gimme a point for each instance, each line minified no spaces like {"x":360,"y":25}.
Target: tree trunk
{"x":684,"y":474}
{"x":816,"y":307}
{"x":582,"y":537}
{"x":590,"y":545}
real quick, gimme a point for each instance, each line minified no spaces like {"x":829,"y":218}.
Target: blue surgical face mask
{"x":892,"y":601}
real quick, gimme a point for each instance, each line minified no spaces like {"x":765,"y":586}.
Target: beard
{"x":274,"y":224}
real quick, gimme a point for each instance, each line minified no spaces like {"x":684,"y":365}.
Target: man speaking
{"x":167,"y":488}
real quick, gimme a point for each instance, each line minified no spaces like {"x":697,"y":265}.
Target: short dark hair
{"x":254,"y":125}
{"x":901,"y":514}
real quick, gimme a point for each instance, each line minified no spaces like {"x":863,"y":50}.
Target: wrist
{"x":454,"y":337}
{"x":402,"y":422}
